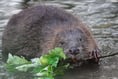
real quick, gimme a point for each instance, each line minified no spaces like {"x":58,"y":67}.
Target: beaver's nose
{"x":74,"y":51}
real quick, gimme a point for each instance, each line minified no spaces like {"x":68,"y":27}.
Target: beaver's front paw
{"x":95,"y":54}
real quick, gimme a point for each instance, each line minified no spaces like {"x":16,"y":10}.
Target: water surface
{"x":100,"y":15}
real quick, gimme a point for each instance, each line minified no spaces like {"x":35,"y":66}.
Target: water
{"x":100,"y":15}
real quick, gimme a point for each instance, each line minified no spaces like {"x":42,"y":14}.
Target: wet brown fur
{"x":32,"y":32}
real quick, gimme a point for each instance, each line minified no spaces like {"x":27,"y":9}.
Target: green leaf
{"x":25,"y":67}
{"x":58,"y":52}
{"x":45,"y":67}
{"x":54,"y":61}
{"x":15,"y":60}
{"x":10,"y":67}
{"x":46,"y":78}
{"x":44,"y":60}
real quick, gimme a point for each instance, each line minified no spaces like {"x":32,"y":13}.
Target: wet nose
{"x":74,"y":51}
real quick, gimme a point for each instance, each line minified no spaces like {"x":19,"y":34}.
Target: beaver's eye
{"x":62,"y":43}
{"x":80,"y":39}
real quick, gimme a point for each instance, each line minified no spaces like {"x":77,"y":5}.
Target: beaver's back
{"x":33,"y":31}
{"x":29,"y":29}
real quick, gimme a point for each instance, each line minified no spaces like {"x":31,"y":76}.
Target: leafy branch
{"x":45,"y":67}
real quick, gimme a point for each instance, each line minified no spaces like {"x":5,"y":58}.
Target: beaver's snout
{"x":74,"y":51}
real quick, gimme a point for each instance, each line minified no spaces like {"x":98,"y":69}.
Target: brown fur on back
{"x":32,"y":32}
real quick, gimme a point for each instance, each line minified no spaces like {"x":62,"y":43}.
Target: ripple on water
{"x":101,"y":15}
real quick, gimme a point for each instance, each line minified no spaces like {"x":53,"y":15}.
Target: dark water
{"x":100,"y":15}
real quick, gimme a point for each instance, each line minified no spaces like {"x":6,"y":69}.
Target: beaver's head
{"x":74,"y":42}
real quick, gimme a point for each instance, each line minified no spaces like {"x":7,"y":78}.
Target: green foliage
{"x":45,"y":67}
{"x":14,"y":61}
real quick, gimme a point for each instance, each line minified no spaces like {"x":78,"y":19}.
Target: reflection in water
{"x":100,"y":15}
{"x":86,"y":71}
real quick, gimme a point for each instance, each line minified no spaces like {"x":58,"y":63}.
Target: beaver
{"x":36,"y":30}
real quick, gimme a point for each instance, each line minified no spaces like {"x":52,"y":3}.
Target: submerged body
{"x":34,"y":31}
